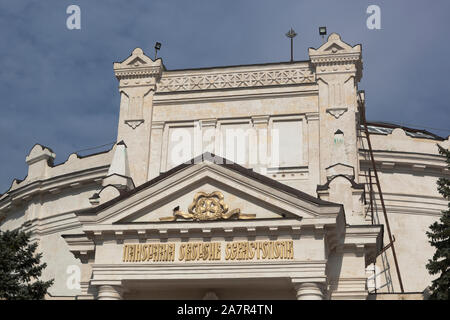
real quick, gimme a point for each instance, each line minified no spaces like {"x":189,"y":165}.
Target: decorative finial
{"x":291,"y":35}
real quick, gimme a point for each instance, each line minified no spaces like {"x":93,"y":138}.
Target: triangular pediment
{"x":136,"y":62}
{"x":206,"y":191}
{"x":207,"y":199}
{"x":334,"y":45}
{"x":137,"y":59}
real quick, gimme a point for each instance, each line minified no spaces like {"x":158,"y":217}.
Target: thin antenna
{"x":291,"y":35}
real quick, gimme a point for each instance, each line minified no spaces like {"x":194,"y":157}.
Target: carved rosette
{"x":208,"y":207}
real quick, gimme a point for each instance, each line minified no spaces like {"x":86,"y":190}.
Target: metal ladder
{"x":373,"y":169}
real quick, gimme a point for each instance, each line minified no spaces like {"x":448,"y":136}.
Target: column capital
{"x":204,"y":123}
{"x":158,"y":125}
{"x":312,"y":116}
{"x":308,"y":290}
{"x":260,"y":119}
{"x":110,"y":292}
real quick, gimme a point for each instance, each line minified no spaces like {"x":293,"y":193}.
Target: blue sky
{"x":58,"y":89}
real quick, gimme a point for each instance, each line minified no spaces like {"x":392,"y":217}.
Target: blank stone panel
{"x":180,"y":146}
{"x":290,"y":146}
{"x":234,"y":142}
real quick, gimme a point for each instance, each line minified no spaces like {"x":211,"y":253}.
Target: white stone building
{"x":286,"y":216}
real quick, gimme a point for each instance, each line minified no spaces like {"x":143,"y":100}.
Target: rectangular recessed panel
{"x":289,"y":146}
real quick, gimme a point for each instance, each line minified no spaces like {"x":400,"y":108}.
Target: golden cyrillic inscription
{"x":148,"y":252}
{"x":209,"y":251}
{"x":199,"y":251}
{"x":246,"y":250}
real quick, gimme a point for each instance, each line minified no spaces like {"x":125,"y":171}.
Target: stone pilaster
{"x":313,"y":124}
{"x":338,"y":69}
{"x":137,"y":75}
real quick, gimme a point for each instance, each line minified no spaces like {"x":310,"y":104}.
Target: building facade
{"x":240,"y":182}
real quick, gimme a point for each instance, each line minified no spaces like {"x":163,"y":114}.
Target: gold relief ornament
{"x":206,"y":207}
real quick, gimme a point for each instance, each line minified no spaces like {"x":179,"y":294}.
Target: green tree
{"x":20,"y":268}
{"x":439,"y":237}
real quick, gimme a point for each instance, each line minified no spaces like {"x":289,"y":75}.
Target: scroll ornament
{"x":208,"y":207}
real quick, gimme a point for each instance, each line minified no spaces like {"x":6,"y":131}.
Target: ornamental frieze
{"x":173,"y":83}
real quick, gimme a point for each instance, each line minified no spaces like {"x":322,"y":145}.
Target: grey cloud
{"x":58,"y":88}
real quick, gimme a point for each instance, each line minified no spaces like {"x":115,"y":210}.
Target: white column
{"x":107,"y":292}
{"x":308,"y":291}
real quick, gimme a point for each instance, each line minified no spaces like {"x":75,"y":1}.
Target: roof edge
{"x":210,"y":157}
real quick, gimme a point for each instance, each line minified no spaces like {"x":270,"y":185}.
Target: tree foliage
{"x":439,"y":238}
{"x":20,"y":268}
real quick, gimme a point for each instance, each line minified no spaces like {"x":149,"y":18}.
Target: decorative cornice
{"x":335,"y":51}
{"x":311,"y":271}
{"x":404,"y":156}
{"x":23,"y":194}
{"x":231,"y":80}
{"x":138,"y":70}
{"x":336,"y":56}
{"x":188,"y":230}
{"x":132,"y":73}
{"x":336,"y":59}
{"x":80,"y":246}
{"x":406,"y":162}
